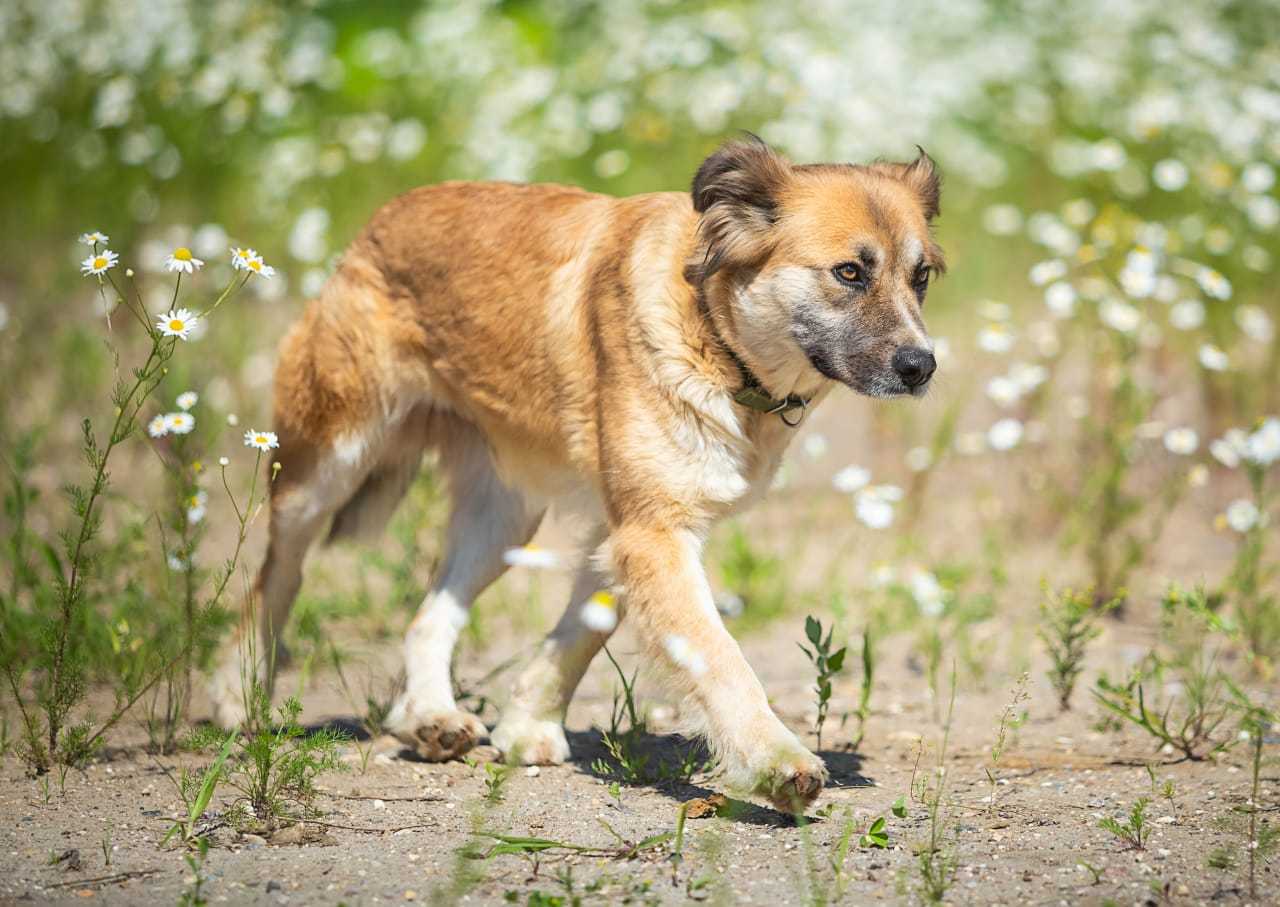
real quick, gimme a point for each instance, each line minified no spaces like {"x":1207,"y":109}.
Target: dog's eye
{"x":920,"y":282}
{"x":848,"y":273}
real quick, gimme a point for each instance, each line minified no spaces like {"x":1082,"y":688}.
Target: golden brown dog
{"x":638,"y":361}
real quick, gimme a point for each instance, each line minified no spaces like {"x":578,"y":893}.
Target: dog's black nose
{"x":914,"y":365}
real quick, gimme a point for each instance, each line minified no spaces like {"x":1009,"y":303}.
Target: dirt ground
{"x":394,"y":827}
{"x":1057,"y":779}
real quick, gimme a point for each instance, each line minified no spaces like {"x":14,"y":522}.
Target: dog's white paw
{"x":436,"y":736}
{"x":792,"y":781}
{"x":528,"y":741}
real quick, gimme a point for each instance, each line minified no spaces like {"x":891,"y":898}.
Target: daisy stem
{"x":72,"y":591}
{"x":173,"y":303}
{"x":225,"y":293}
{"x":219,"y":588}
{"x":124,"y":299}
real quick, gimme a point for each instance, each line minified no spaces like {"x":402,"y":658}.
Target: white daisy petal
{"x":177,"y":323}
{"x":261,"y":440}
{"x":182,"y":260}
{"x":99,"y":263}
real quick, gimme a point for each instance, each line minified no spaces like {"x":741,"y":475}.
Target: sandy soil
{"x":1056,"y":780}
{"x":394,"y":827}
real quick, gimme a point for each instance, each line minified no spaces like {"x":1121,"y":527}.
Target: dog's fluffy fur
{"x":549,"y":344}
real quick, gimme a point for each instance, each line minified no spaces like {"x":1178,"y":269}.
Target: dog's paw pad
{"x":528,"y":741}
{"x":440,"y":736}
{"x":794,"y":785}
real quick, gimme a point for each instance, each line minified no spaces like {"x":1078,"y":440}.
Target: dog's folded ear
{"x":921,"y":176}
{"x":736,"y":191}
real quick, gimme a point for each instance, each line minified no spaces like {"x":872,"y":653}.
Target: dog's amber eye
{"x":848,"y":273}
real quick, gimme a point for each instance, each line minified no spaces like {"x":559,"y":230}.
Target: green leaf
{"x":813,"y":630}
{"x":876,"y":835}
{"x":836,"y":662}
{"x":900,"y":807}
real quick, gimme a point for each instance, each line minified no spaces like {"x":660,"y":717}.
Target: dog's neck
{"x":752,"y":386}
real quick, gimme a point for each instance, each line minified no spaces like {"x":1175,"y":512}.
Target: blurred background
{"x":1110,"y":215}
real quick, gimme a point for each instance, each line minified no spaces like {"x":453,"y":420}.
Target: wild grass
{"x":1134,"y":831}
{"x":935,"y":856}
{"x":1010,"y":720}
{"x":631,"y":761}
{"x":1068,"y":623}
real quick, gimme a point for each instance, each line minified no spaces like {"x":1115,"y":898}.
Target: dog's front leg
{"x":670,"y":602}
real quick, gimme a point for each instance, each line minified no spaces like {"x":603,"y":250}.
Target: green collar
{"x":754,"y":396}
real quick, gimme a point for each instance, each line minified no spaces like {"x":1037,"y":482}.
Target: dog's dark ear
{"x":736,"y":192}
{"x":921,"y":176}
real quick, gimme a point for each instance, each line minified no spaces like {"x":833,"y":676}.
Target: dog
{"x":638,"y":361}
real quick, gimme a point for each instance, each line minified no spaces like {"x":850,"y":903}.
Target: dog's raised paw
{"x":439,"y":736}
{"x":530,"y":741}
{"x":795,"y":784}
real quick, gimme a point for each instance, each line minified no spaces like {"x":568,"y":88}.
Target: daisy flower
{"x":600,"y":613}
{"x":1181,"y":441}
{"x":1263,"y":446}
{"x":1005,"y":434}
{"x":181,"y":259}
{"x":1214,"y":359}
{"x":533,"y":557}
{"x":99,"y":263}
{"x":874,"y":505}
{"x":995,"y":338}
{"x":928,"y":593}
{"x":1242,"y":515}
{"x":180,"y":423}
{"x":256,"y":265}
{"x":1228,"y":449}
{"x":158,"y":427}
{"x":1047,"y":272}
{"x":196,"y":506}
{"x":261,"y":440}
{"x":187,"y":399}
{"x":177,"y":323}
{"x":850,"y":479}
{"x":93,"y":237}
{"x":239,"y":257}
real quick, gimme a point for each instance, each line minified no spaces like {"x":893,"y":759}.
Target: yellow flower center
{"x":255,"y":264}
{"x":182,"y":253}
{"x":99,"y":262}
{"x":176,"y":324}
{"x":603,"y":598}
{"x":261,"y":439}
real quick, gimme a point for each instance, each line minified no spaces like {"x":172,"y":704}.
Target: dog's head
{"x":820,"y":270}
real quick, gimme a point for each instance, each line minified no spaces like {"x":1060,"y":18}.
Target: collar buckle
{"x":755,"y":397}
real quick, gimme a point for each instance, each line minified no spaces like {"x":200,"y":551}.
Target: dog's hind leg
{"x":309,"y":489}
{"x":531,"y":731}
{"x":488,"y":517}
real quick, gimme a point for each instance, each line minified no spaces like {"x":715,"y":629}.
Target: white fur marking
{"x":350,"y":449}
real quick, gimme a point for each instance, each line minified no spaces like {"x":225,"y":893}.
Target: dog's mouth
{"x":869,"y":379}
{"x":887,"y":385}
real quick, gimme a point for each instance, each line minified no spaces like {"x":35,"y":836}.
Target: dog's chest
{"x":721,"y":473}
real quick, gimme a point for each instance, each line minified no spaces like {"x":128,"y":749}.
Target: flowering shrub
{"x":58,"y":611}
